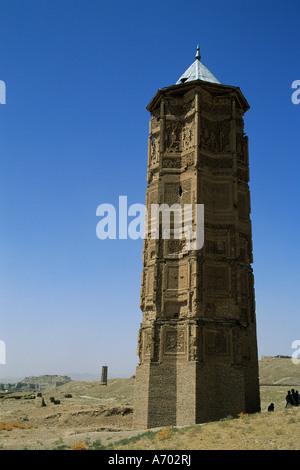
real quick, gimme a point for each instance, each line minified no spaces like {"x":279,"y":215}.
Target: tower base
{"x":192,"y":393}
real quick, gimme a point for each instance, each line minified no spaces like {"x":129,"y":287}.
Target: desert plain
{"x":91,"y":416}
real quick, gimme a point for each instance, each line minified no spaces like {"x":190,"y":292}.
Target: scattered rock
{"x":39,"y":401}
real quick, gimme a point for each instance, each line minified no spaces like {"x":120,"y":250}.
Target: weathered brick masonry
{"x":197,"y":342}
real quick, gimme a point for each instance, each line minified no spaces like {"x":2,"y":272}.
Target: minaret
{"x":197,"y":343}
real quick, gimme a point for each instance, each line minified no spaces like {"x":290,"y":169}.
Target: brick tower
{"x":197,"y":343}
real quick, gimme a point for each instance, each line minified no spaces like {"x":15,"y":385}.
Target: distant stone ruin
{"x":104,"y":375}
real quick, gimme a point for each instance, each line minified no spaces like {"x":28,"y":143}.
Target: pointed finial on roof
{"x":198,"y":56}
{"x":197,"y":71}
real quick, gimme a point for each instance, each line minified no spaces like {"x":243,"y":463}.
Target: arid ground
{"x":97,"y":417}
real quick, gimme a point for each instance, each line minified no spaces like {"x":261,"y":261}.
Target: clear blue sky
{"x":79,"y":75}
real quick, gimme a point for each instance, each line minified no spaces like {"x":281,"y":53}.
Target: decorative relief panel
{"x":149,"y":281}
{"x":174,"y":341}
{"x":152,"y":197}
{"x":174,"y":162}
{"x":177,"y":162}
{"x":188,"y":135}
{"x":193,"y":344}
{"x":174,"y":246}
{"x":245,"y":349}
{"x":147,"y":342}
{"x":217,"y":247}
{"x":244,"y":251}
{"x":172,"y":277}
{"x":244,"y":315}
{"x":222,"y":196}
{"x":216,"y":163}
{"x":180,"y":135}
{"x":174,"y":107}
{"x":242,"y":147}
{"x":216,"y":278}
{"x":173,"y":136}
{"x":216,"y":195}
{"x":244,"y":282}
{"x":217,"y":105}
{"x":154,"y":150}
{"x":154,"y":123}
{"x":172,"y":193}
{"x":189,"y":105}
{"x":175,"y":306}
{"x":245,"y":243}
{"x":183,"y":276}
{"x":207,"y":193}
{"x":239,"y":121}
{"x":150,"y":250}
{"x":186,"y":196}
{"x":243,"y":175}
{"x":177,"y":276}
{"x":180,"y":107}
{"x":188,"y":160}
{"x":217,"y":343}
{"x":243,"y":207}
{"x":243,"y":255}
{"x":215,"y":135}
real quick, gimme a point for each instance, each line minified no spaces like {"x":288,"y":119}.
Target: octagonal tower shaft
{"x":197,"y":343}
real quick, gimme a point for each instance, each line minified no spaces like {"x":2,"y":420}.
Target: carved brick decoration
{"x":197,"y":342}
{"x":216,"y":278}
{"x":154,"y":150}
{"x":172,"y":193}
{"x":217,"y":343}
{"x":174,"y":341}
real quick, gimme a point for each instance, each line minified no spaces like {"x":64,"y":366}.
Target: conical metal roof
{"x":197,"y":71}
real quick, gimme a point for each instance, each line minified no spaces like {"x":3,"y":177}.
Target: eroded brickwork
{"x":197,"y":343}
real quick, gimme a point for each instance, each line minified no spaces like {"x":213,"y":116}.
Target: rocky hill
{"x":29,"y":384}
{"x":273,"y":370}
{"x":278,"y":370}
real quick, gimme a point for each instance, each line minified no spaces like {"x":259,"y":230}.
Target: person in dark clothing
{"x":289,"y":399}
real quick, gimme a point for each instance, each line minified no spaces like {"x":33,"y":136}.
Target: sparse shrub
{"x":4,"y":426}
{"x":243,"y":415}
{"x":19,"y":425}
{"x":58,"y":441}
{"x":97,"y":445}
{"x":163,"y":434}
{"x":132,"y":440}
{"x":78,"y":446}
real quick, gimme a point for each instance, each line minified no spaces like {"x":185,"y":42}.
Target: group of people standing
{"x":292,"y":398}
